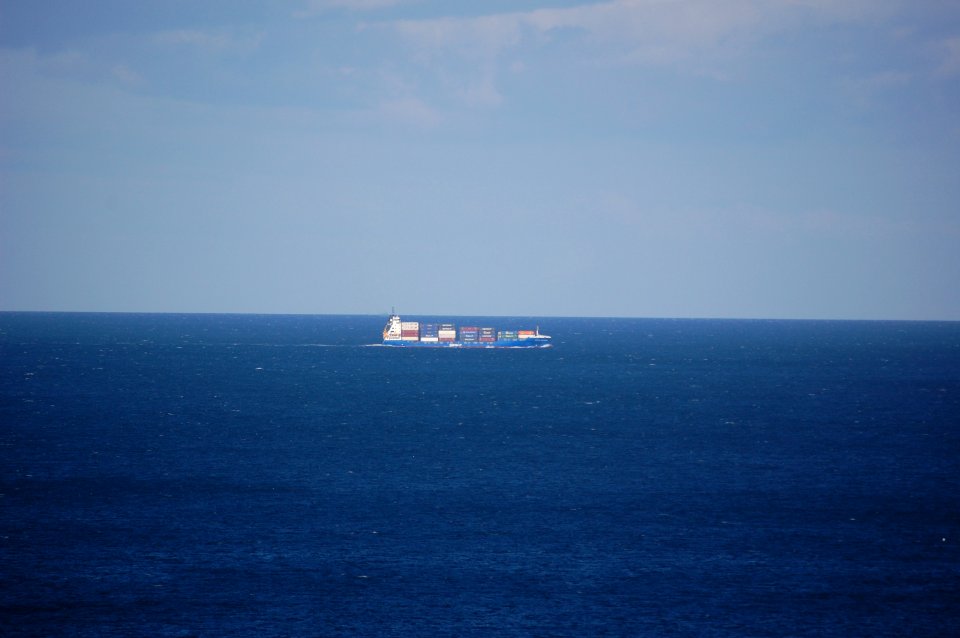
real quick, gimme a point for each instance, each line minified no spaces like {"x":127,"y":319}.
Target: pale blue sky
{"x":652,"y":158}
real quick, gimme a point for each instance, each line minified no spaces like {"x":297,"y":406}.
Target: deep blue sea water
{"x":210,"y":475}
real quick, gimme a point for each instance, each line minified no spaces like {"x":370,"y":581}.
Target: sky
{"x":635,"y":158}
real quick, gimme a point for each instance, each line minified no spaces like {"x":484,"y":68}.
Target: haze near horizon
{"x":683,"y":158}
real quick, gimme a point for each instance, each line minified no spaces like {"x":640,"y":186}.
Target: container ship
{"x":447,"y":335}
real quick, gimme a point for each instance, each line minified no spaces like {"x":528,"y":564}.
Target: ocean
{"x":262,"y":475}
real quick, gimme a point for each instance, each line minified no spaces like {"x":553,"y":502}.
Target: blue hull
{"x":533,"y":342}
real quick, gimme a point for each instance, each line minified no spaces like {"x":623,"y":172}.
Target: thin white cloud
{"x":314,"y":7}
{"x":480,"y":37}
{"x":192,"y":38}
{"x":16,"y":65}
{"x":867,"y":89}
{"x":697,"y":36}
{"x":208,"y":41}
{"x":481,"y":92}
{"x":409,"y":110}
{"x":127,"y":76}
{"x":644,"y":31}
{"x":950,"y":57}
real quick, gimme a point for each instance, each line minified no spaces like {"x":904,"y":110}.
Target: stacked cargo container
{"x":447,"y":332}
{"x":488,"y":335}
{"x":526,"y":334}
{"x":469,"y":334}
{"x":429,"y":332}
{"x":410,"y":330}
{"x":507,"y":335}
